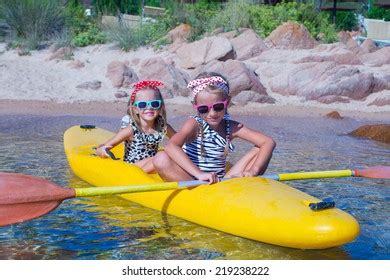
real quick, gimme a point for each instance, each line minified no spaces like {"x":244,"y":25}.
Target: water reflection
{"x":113,"y":228}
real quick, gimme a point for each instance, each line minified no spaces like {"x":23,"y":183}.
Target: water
{"x":109,"y":227}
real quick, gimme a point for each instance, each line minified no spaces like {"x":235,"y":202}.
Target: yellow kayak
{"x":256,"y":208}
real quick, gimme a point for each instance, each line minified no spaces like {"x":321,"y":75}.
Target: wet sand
{"x":175,"y":107}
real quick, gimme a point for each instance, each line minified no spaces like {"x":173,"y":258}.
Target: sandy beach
{"x":37,"y":85}
{"x":117,"y":109}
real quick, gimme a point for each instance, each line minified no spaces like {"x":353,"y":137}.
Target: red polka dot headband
{"x":198,"y":85}
{"x":144,"y":84}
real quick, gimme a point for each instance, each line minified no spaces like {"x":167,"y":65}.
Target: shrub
{"x":114,"y":7}
{"x":234,"y":15}
{"x":33,"y":21}
{"x":197,"y":15}
{"x":345,"y":20}
{"x":376,"y":12}
{"x":264,"y":19}
{"x":129,"y":37}
{"x":83,"y":29}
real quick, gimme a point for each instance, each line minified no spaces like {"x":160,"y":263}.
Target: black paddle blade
{"x":24,"y":197}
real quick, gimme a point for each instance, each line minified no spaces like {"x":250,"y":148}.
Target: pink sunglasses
{"x":217,"y":107}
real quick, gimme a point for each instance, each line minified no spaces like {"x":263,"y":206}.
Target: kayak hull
{"x":256,"y":208}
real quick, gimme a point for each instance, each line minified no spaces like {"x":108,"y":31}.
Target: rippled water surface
{"x":112,"y":228}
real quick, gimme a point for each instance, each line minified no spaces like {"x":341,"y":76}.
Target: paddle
{"x":24,"y":197}
{"x":376,"y":172}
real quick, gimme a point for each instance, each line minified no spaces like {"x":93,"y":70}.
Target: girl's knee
{"x":161,"y":160}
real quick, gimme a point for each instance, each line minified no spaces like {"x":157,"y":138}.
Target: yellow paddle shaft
{"x":83,"y":192}
{"x":315,"y":175}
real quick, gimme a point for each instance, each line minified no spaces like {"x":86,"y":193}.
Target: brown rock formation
{"x":291,"y":35}
{"x":379,"y":132}
{"x":334,"y":115}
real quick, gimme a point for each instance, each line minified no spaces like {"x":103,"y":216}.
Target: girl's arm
{"x":265,"y":144}
{"x":174,"y":150}
{"x":122,"y":135}
{"x":170,"y":131}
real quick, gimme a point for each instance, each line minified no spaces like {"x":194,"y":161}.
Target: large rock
{"x":239,"y":76}
{"x":328,"y":99}
{"x":291,"y":35}
{"x":156,"y":68}
{"x":378,"y":58}
{"x":315,"y":80}
{"x":379,"y":132}
{"x":64,"y":53}
{"x":338,"y":53}
{"x":247,"y":45}
{"x":180,"y":34}
{"x":381,"y":99}
{"x":120,"y":74}
{"x":345,"y":37}
{"x":246,"y":96}
{"x":369,"y":46}
{"x":334,"y":115}
{"x":203,"y":51}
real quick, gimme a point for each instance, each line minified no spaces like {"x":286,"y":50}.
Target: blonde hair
{"x":135,"y":117}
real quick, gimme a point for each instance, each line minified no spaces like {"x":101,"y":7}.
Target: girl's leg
{"x":168,"y":169}
{"x":245,"y":163}
{"x":146,"y":165}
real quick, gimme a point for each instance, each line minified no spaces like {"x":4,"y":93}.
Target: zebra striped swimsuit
{"x":214,"y":156}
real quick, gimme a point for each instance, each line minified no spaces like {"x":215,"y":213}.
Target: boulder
{"x":179,"y":34}
{"x":64,"y":53}
{"x":291,"y":35}
{"x":94,"y":85}
{"x":251,"y":96}
{"x":369,"y":46}
{"x":155,"y":68}
{"x":203,"y":51}
{"x":378,"y":132}
{"x":247,"y":45}
{"x":76,"y":64}
{"x":346,"y":38}
{"x":315,"y":80}
{"x":120,"y":74}
{"x":381,"y":99}
{"x":378,"y":58}
{"x":121,"y":94}
{"x":333,"y":99}
{"x":239,"y":76}
{"x":334,"y":115}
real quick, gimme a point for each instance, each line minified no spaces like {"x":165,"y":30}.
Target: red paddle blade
{"x":24,"y":197}
{"x":377,"y":172}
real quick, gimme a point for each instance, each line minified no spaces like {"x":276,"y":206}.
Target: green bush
{"x":114,"y":7}
{"x":264,"y":19}
{"x":33,"y":21}
{"x":132,"y":37}
{"x":234,"y":15}
{"x":197,"y":15}
{"x":90,"y":37}
{"x":376,"y":12}
{"x":84,"y":29}
{"x":62,"y":39}
{"x":345,"y":20}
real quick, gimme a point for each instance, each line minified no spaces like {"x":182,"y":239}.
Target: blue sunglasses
{"x":153,"y":104}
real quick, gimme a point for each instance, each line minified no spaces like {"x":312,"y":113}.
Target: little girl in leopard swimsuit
{"x":143,"y":128}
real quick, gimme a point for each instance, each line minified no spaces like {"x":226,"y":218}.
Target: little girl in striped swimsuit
{"x":200,"y":148}
{"x":143,"y":128}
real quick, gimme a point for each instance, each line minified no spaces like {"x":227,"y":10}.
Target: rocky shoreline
{"x":287,"y":74}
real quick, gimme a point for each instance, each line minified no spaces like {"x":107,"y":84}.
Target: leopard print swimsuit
{"x":142,"y":145}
